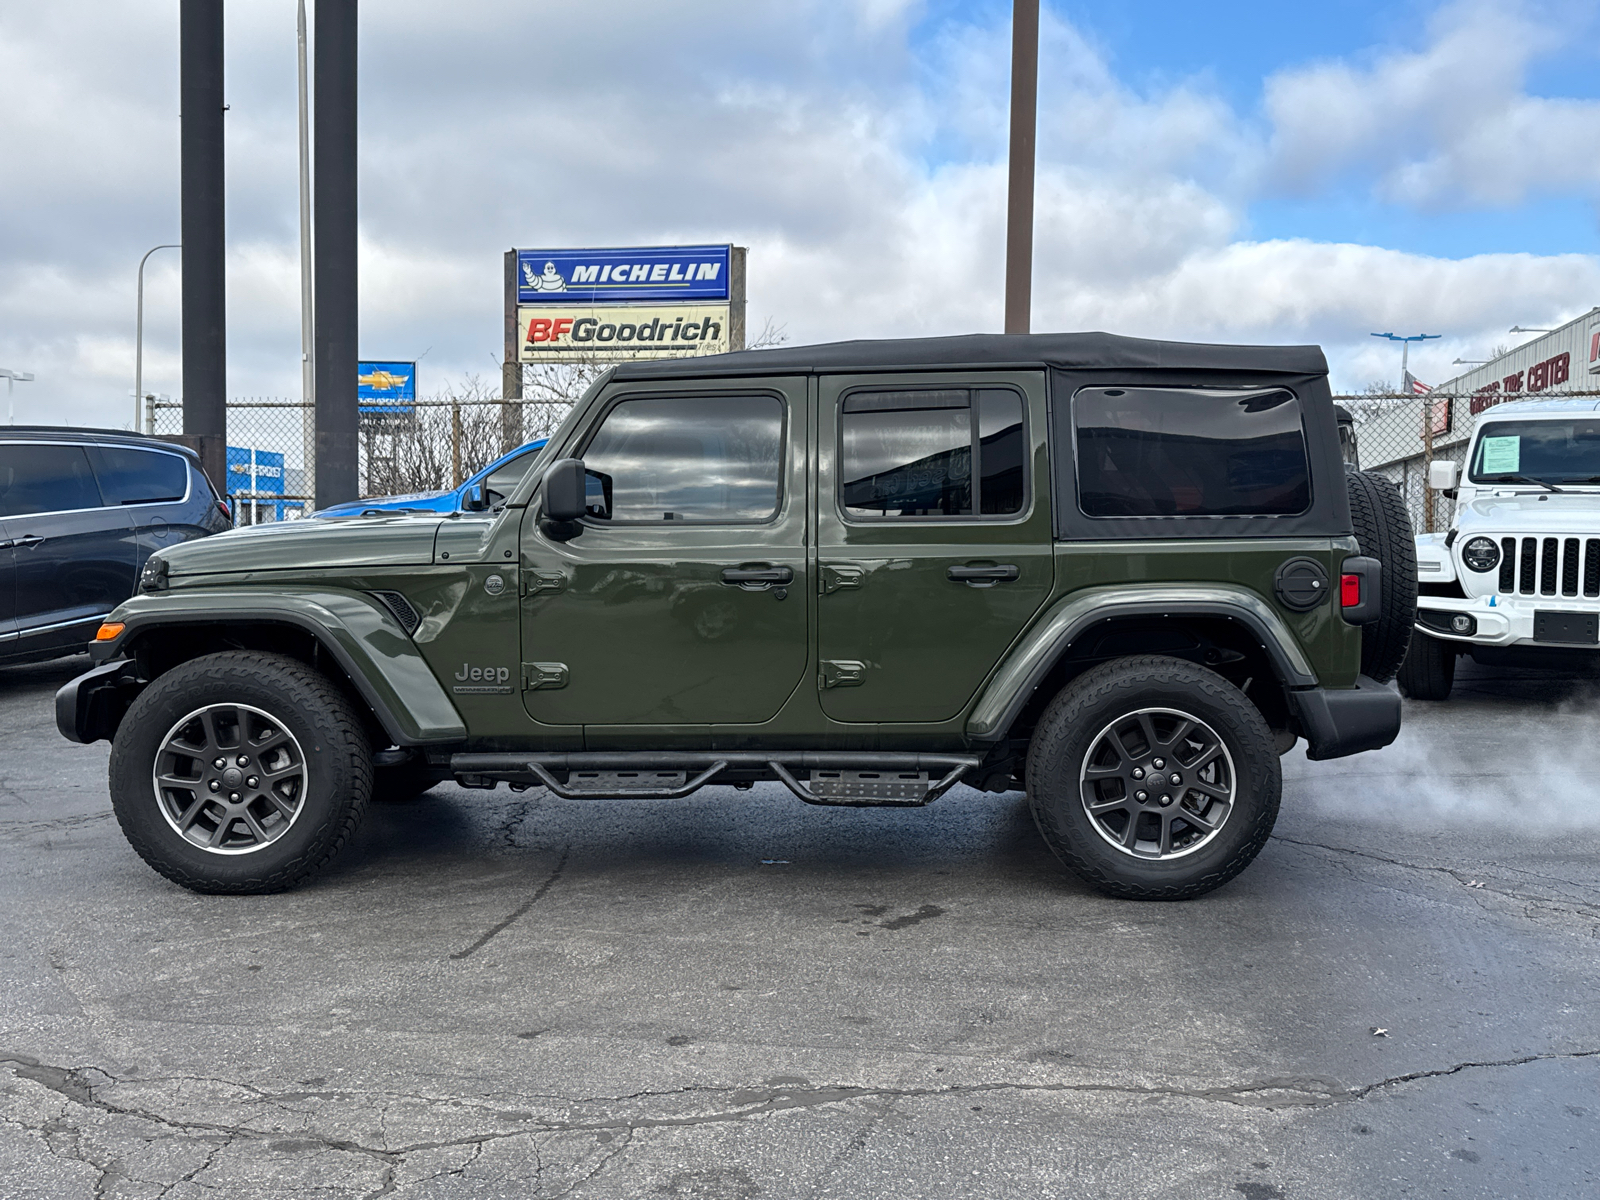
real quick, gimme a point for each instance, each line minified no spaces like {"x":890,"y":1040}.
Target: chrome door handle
{"x":29,"y":540}
{"x":983,"y":576}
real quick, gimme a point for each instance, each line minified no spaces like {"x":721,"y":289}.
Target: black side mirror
{"x":563,"y":500}
{"x":474,"y":499}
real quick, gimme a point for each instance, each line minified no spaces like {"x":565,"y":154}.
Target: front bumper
{"x":1500,"y":620}
{"x":1340,"y":721}
{"x":91,"y":706}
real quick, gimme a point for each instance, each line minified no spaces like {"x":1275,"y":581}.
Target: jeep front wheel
{"x":240,"y":773}
{"x":1153,"y":779}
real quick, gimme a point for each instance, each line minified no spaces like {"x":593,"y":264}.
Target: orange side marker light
{"x":110,"y":631}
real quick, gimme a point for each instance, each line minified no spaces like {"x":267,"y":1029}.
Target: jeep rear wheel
{"x":1153,"y":779}
{"x":240,"y":772}
{"x":1429,"y":671}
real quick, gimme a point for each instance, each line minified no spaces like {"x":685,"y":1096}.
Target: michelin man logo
{"x":550,"y":281}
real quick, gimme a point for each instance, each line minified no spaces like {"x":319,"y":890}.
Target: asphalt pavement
{"x":738,"y":996}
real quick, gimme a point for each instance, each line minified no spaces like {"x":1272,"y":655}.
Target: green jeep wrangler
{"x":1122,"y":575}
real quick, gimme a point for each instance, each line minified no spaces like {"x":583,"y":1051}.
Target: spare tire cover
{"x":1383,"y":531}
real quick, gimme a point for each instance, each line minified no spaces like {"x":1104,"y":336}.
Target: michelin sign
{"x":612,"y":305}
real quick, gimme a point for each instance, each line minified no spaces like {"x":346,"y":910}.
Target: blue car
{"x":497,"y":480}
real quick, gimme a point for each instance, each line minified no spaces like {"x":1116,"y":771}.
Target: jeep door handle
{"x":1004,"y":573}
{"x":744,"y":575}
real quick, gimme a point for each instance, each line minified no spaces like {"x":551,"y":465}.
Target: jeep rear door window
{"x":1548,"y":451}
{"x":37,"y":478}
{"x":912,"y":453}
{"x":687,"y":458}
{"x":129,"y":476}
{"x":1165,"y":452}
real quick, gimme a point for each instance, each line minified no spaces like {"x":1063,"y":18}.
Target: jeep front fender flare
{"x":362,"y":636}
{"x":1032,"y":658}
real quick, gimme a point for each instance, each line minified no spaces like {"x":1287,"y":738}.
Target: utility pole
{"x":1024,"y":131}
{"x":205,"y":326}
{"x":334,"y":266}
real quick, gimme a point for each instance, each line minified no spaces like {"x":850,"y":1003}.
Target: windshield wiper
{"x":1506,"y":478}
{"x":1582,"y":479}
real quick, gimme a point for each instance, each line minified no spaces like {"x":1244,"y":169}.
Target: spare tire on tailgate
{"x":1383,"y":530}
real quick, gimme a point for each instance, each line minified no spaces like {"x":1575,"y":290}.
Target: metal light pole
{"x":1405,"y":349}
{"x":138,"y":337}
{"x":1409,"y":385}
{"x":1024,"y":130}
{"x":308,"y":373}
{"x":12,"y":379}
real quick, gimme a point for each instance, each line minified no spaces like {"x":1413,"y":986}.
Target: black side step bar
{"x":945,"y":770}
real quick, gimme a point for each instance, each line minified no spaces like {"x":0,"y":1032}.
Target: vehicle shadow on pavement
{"x":721,"y":831}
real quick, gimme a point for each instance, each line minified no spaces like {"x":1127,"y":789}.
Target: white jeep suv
{"x":1516,"y":579}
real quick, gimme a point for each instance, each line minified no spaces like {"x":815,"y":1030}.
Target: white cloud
{"x":867,"y":181}
{"x":1451,"y":125}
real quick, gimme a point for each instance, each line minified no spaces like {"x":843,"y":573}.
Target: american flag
{"x":1415,"y":386}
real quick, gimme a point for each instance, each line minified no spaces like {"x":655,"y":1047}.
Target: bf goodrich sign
{"x":616,"y":304}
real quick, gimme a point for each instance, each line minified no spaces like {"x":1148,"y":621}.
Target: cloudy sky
{"x":1242,"y":171}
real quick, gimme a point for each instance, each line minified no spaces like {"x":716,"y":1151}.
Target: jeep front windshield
{"x":1543,"y":452}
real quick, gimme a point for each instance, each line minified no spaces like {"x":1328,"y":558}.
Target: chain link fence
{"x":1397,"y":436}
{"x":429,"y":445}
{"x":434,"y":445}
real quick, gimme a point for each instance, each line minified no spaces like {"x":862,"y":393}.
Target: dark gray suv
{"x":80,"y":511}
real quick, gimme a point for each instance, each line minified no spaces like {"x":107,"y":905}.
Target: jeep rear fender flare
{"x":363,"y":637}
{"x":1026,"y":666}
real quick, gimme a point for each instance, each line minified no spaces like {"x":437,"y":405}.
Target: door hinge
{"x":837,"y":577}
{"x":543,"y":581}
{"x":834,"y":673}
{"x":543,"y":675}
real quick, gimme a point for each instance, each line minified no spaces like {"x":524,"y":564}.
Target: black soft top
{"x":1080,"y":351}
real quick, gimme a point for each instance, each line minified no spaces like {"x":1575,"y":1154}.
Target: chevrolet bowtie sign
{"x":612,"y":305}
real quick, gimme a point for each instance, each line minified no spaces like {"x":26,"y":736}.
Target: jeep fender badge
{"x":494,"y":585}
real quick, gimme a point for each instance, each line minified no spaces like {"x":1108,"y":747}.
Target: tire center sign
{"x":618,"y":304}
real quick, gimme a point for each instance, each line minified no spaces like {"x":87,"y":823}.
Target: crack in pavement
{"x":502,"y":926}
{"x":1577,"y":908}
{"x":1269,"y":1093}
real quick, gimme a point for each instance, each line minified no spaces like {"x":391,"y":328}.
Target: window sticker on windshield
{"x":1502,"y":455}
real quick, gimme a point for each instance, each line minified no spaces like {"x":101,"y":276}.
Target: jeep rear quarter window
{"x":1177,"y":452}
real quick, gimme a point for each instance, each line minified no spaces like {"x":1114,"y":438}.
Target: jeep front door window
{"x":693,"y":458}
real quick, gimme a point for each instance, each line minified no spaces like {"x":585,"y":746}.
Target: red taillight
{"x":1349,"y":590}
{"x":223,"y":506}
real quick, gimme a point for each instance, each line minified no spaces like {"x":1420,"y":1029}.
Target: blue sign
{"x":257,"y":474}
{"x":644,"y":273}
{"x":386,"y":388}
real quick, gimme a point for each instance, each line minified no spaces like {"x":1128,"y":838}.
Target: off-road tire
{"x":1429,"y":671}
{"x":1067,"y":733}
{"x":338,"y":764}
{"x":1383,"y":531}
